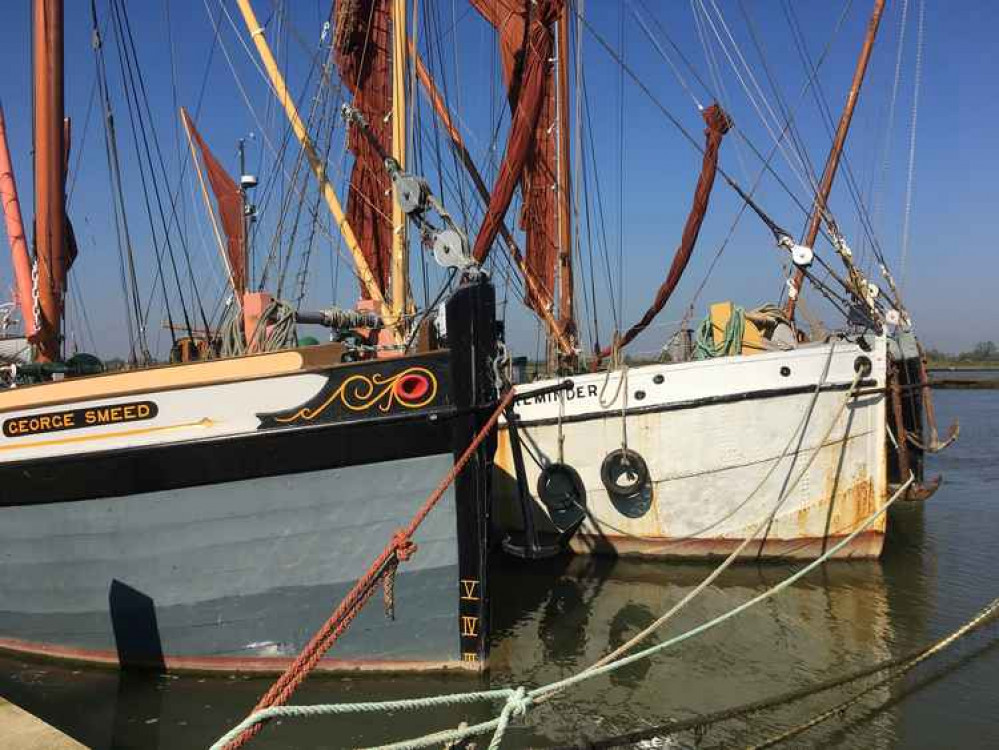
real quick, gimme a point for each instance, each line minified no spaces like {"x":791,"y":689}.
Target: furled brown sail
{"x":230,"y":206}
{"x":718,"y":124}
{"x":363,"y":42}
{"x":526,"y":44}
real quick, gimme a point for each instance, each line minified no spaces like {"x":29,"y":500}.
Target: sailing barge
{"x":208,"y":514}
{"x":765,"y":426}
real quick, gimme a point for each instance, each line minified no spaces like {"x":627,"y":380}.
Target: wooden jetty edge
{"x":23,"y":731}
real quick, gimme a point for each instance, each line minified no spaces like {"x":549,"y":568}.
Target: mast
{"x":566,"y":312}
{"x":244,"y":225}
{"x":50,"y":175}
{"x":20,"y":258}
{"x":316,"y":164}
{"x":832,"y":163}
{"x":534,"y":285}
{"x":400,"y":237}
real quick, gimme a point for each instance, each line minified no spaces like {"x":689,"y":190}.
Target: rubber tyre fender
{"x":563,"y":494}
{"x":616,"y":465}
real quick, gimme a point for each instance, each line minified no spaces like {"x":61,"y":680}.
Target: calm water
{"x":942,"y":374}
{"x":941,"y":566}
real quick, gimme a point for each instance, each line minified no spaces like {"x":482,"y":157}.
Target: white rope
{"x":774,"y":463}
{"x":519,"y":700}
{"x":800,"y":170}
{"x":912,"y":145}
{"x":764,"y":523}
{"x":669,"y":61}
{"x":886,"y":147}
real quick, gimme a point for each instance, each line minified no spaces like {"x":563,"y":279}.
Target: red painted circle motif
{"x":412,"y":387}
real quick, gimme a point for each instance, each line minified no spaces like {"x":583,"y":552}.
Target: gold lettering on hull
{"x":75,"y":419}
{"x":469,"y":590}
{"x":469,"y":626}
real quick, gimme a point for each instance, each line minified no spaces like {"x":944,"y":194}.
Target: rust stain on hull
{"x":866,"y":546}
{"x":792,"y":536}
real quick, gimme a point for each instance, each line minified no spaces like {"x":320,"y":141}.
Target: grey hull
{"x":236,"y":575}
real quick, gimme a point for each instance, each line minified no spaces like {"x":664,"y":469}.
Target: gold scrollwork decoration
{"x":412,"y":388}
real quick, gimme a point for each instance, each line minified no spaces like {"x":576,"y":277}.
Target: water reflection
{"x":552,"y":618}
{"x":824,"y":625}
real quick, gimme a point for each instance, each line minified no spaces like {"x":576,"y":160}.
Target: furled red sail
{"x":363,"y":41}
{"x":230,"y":207}
{"x":718,"y":124}
{"x":526,"y":43}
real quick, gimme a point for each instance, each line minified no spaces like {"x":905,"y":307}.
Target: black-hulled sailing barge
{"x":207,"y":514}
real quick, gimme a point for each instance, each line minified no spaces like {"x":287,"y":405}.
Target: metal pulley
{"x":410,"y":190}
{"x":451,"y":249}
{"x":802,"y":256}
{"x":417,"y":201}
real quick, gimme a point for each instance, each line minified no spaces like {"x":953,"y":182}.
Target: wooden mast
{"x":318,"y":168}
{"x":566,"y":312}
{"x":399,"y":266}
{"x":50,"y":175}
{"x":832,"y":163}
{"x":533,"y":284}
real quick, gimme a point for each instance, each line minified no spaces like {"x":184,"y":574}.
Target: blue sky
{"x":646,"y":170}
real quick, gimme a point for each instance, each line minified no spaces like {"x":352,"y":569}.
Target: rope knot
{"x":518,"y":702}
{"x":404,"y":547}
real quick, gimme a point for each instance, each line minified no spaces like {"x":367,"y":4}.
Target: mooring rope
{"x":897,"y":672}
{"x":763,"y":524}
{"x":519,"y":700}
{"x":400,"y":548}
{"x":701,"y":723}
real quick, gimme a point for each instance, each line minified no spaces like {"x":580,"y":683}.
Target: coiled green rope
{"x":731,"y":343}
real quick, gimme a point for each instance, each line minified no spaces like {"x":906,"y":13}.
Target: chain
{"x":36,"y":307}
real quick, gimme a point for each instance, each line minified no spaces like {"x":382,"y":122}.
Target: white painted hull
{"x":711,"y":432}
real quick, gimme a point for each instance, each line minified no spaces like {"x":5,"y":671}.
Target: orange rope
{"x":401,"y":548}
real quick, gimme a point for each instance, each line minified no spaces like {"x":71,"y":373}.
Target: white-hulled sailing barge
{"x":765,"y":434}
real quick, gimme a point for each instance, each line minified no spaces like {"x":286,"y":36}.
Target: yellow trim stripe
{"x":106,"y":436}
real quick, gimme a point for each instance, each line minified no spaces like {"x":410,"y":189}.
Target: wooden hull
{"x":712,"y":434}
{"x":216,"y":522}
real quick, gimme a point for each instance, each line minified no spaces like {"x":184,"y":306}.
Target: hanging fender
{"x":624,"y":473}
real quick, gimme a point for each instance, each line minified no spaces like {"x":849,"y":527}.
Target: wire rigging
{"x":907,"y":216}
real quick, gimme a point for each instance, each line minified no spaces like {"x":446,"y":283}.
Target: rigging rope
{"x":717,"y":125}
{"x":747,"y":199}
{"x":800,"y":170}
{"x":614,"y":55}
{"x":903,"y":263}
{"x":126,"y":257}
{"x":852,"y":185}
{"x":886,"y":143}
